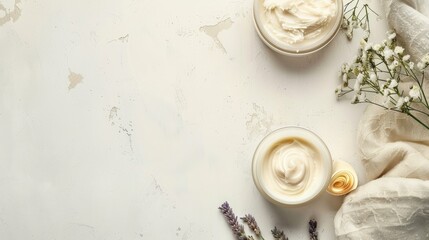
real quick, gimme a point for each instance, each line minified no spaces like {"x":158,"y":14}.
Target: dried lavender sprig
{"x":237,"y":228}
{"x":278,"y":235}
{"x":253,"y":225}
{"x":312,"y":229}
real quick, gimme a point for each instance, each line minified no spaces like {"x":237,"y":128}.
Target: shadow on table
{"x":300,"y":63}
{"x":294,"y":217}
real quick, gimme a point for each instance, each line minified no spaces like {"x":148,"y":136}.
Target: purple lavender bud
{"x":251,"y":222}
{"x":312,"y":229}
{"x":278,"y":235}
{"x":236,"y":228}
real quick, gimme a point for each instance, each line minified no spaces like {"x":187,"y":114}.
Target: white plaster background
{"x":127,"y":120}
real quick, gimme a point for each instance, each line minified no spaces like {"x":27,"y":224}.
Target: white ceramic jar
{"x":292,"y":166}
{"x":297,"y":27}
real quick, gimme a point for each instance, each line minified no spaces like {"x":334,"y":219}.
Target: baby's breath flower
{"x":400,"y":102}
{"x":376,"y":47}
{"x":394,"y":65}
{"x":386,"y":92}
{"x":388,"y":54}
{"x":393,"y":84}
{"x":406,"y":99}
{"x":345,"y":68}
{"x":373,"y":77}
{"x":354,"y":23}
{"x":399,"y":50}
{"x":391,"y":35}
{"x":357,"y":87}
{"x":349,"y":33}
{"x":344,"y":23}
{"x":425,"y":59}
{"x":361,"y":97}
{"x":414,"y":92}
{"x":406,"y":58}
{"x":366,"y":34}
{"x":366,"y":77}
{"x":364,"y":25}
{"x":420,"y":66}
{"x":345,"y":77}
{"x":359,"y":78}
{"x":338,"y":90}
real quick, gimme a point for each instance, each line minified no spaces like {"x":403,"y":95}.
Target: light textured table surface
{"x":136,"y":119}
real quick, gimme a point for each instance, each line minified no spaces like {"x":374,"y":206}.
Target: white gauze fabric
{"x":394,"y":149}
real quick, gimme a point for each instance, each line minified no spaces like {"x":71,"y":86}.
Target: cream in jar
{"x":291,"y":166}
{"x":297,"y":26}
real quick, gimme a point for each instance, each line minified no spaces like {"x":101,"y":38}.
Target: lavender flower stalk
{"x":278,"y":235}
{"x":251,"y":222}
{"x":312,"y":229}
{"x":237,"y":228}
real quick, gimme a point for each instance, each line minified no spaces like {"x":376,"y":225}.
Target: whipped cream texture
{"x":291,"y":167}
{"x":294,"y":21}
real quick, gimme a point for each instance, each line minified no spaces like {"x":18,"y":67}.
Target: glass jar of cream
{"x":292,"y":165}
{"x":297,"y":27}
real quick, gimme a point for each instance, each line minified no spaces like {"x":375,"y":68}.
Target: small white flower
{"x":388,"y":53}
{"x":345,"y":23}
{"x":373,"y":77}
{"x":362,"y":97}
{"x":420,"y":66}
{"x":355,"y":99}
{"x":391,"y":35}
{"x":349,"y":33}
{"x":425,"y":59}
{"x":364,"y":25}
{"x":386,"y":92}
{"x":414,"y":92}
{"x":355,"y":23}
{"x":359,"y":78}
{"x":406,"y":99}
{"x":364,"y":58}
{"x":393,"y":84}
{"x":394,"y":65}
{"x":366,"y":34}
{"x":399,"y":50}
{"x":345,"y":77}
{"x":345,"y":67}
{"x":376,"y":47}
{"x":362,"y":44}
{"x":400,"y":102}
{"x":406,"y":58}
{"x":356,"y":87}
{"x":338,"y":90}
{"x":411,"y":65}
{"x":368,"y":46}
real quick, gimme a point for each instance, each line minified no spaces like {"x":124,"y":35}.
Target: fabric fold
{"x":394,"y":148}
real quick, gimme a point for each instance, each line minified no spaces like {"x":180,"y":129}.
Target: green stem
{"x":418,"y":120}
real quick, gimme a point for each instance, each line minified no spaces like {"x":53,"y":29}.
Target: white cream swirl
{"x":291,"y":167}
{"x":293,"y":21}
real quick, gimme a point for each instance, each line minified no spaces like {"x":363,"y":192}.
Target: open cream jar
{"x":292,"y":165}
{"x":297,"y":27}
